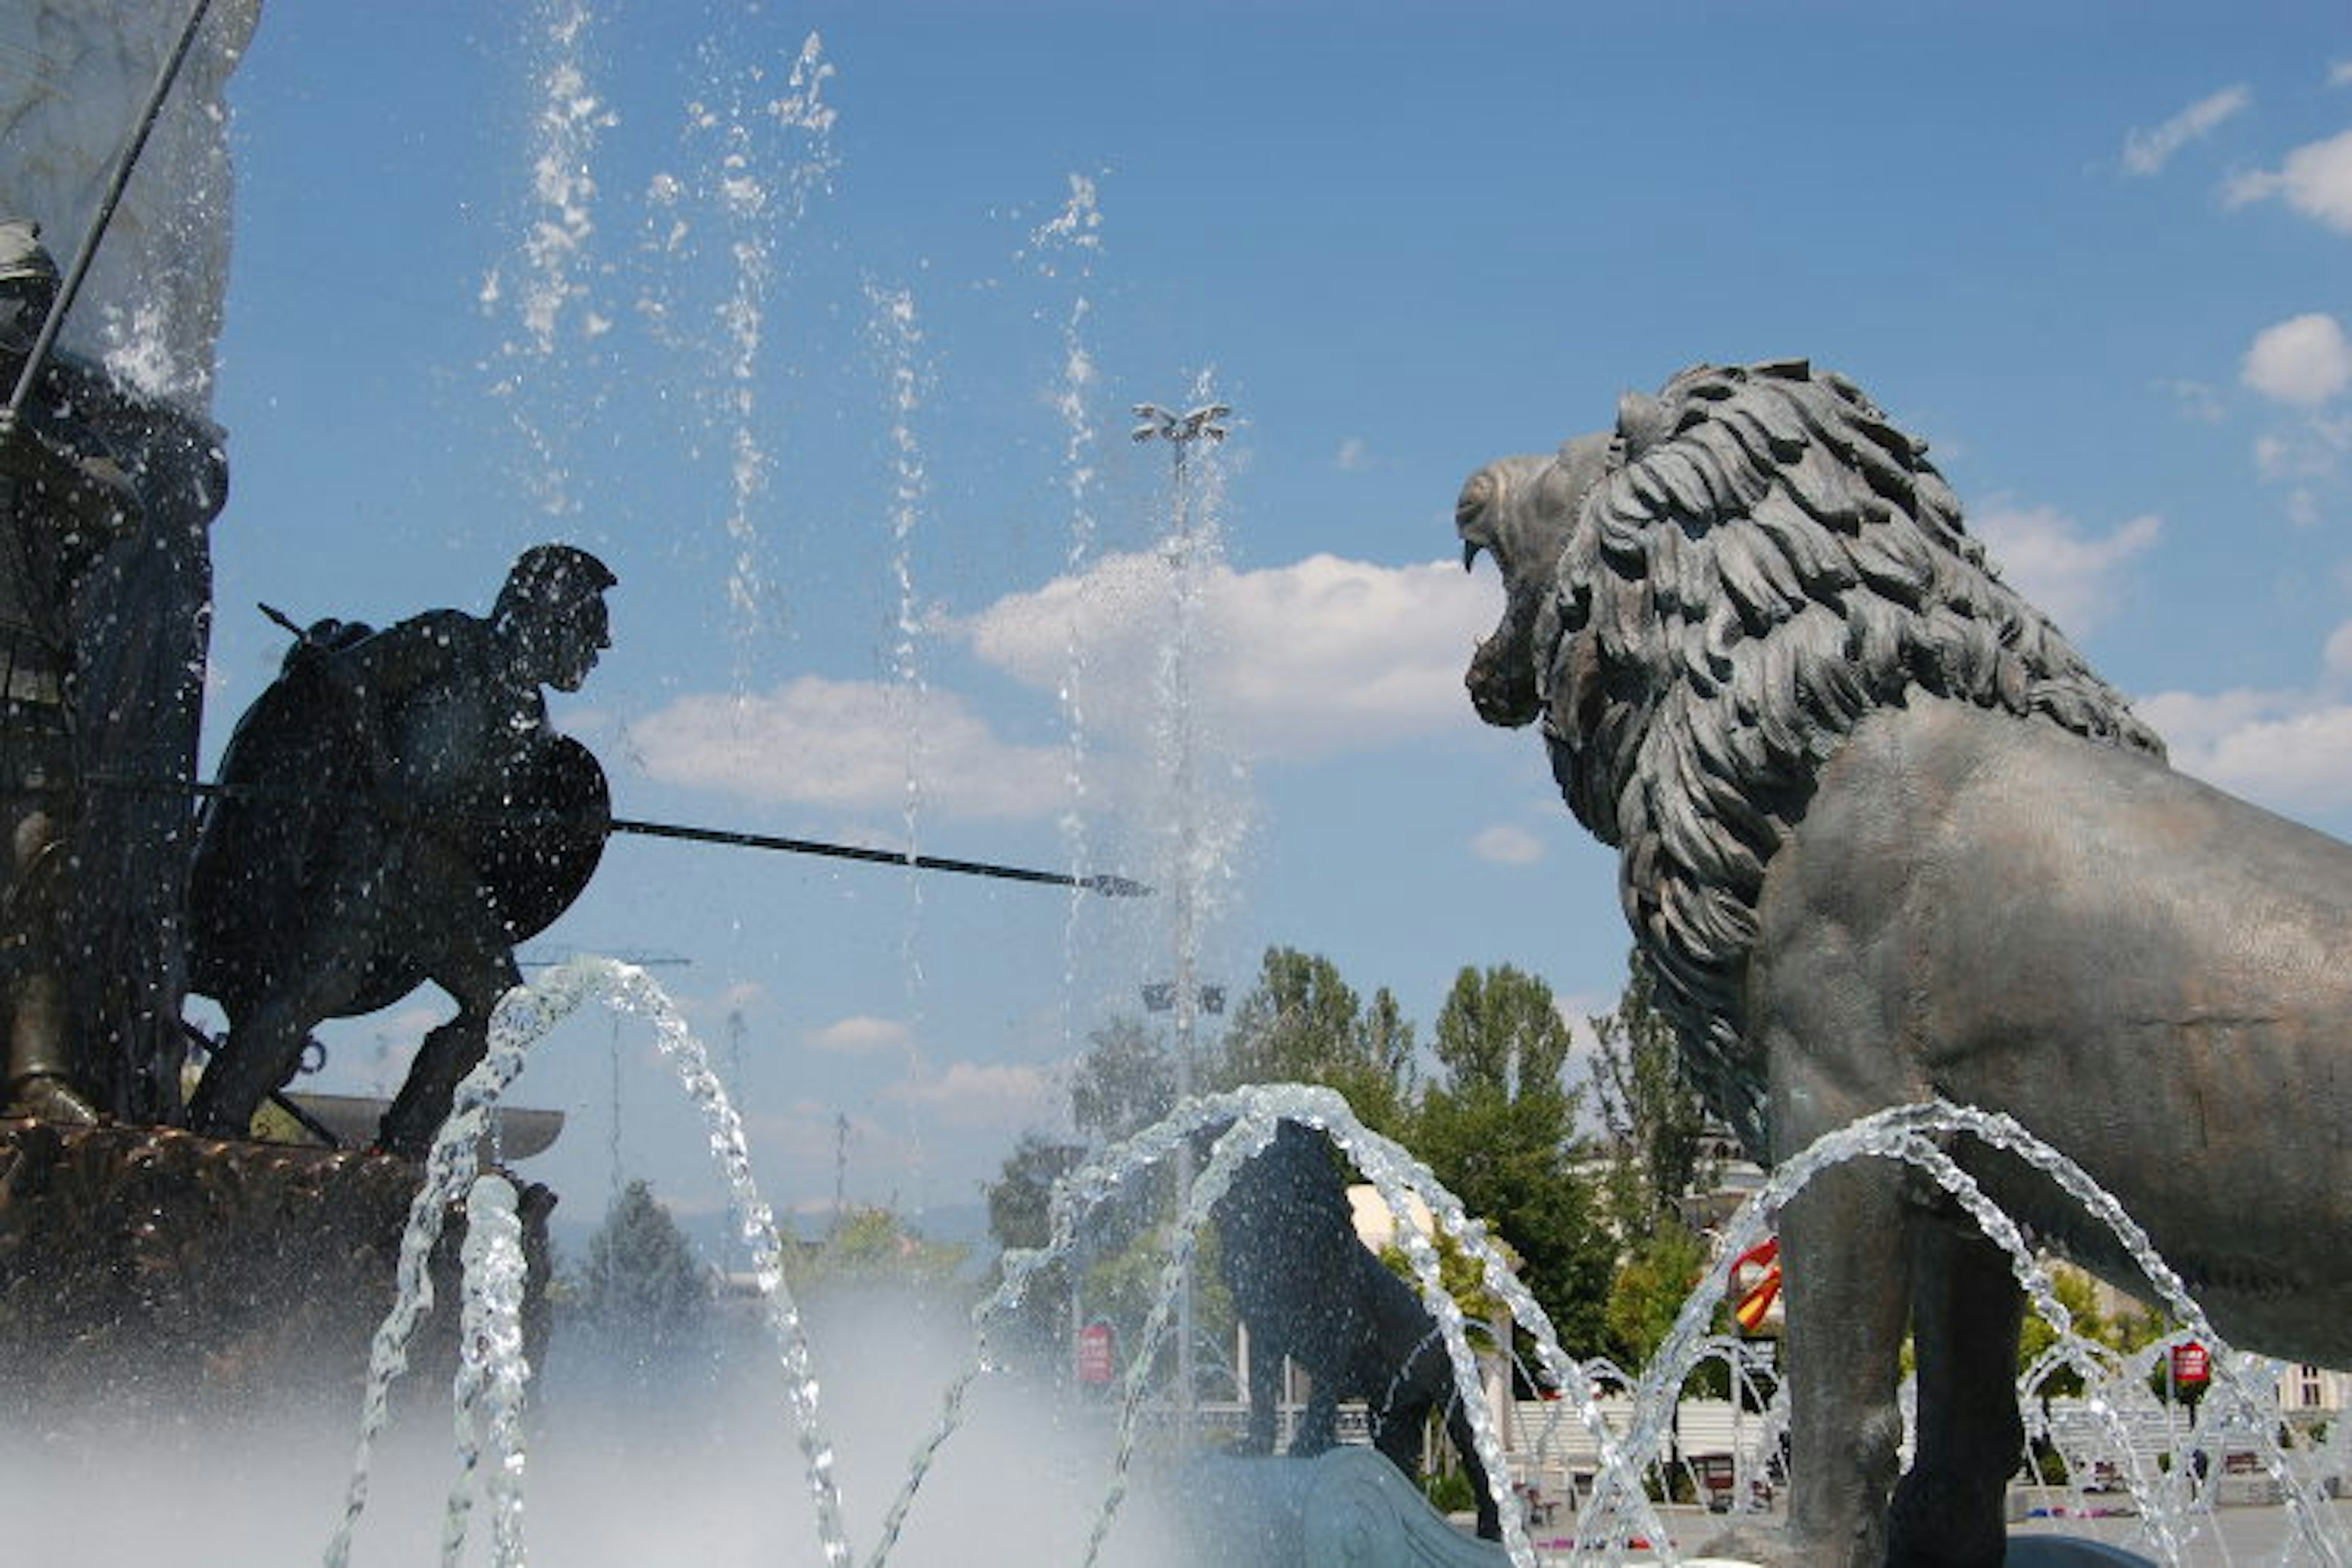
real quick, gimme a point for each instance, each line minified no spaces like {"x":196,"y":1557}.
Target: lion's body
{"x":1886,"y":839}
{"x":2149,"y":974}
{"x":1309,"y":1291}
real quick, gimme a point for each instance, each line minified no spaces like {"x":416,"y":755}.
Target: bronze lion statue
{"x":1886,"y":838}
{"x":1310,"y":1291}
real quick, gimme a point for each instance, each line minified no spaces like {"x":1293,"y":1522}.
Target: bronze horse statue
{"x":1885,"y":839}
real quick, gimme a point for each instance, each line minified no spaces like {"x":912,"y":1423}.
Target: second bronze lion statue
{"x":1885,"y":839}
{"x":1309,"y":1291}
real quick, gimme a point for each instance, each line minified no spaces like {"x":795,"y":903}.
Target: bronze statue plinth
{"x":153,"y":1267}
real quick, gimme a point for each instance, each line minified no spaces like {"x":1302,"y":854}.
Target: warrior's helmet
{"x":23,"y":257}
{"x":28,"y":285}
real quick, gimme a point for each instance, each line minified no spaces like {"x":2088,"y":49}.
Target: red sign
{"x":1096,"y":1344}
{"x":2191,"y":1363}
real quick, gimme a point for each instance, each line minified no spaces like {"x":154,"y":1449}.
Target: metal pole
{"x":123,"y":164}
{"x":1179,"y":431}
{"x":1187,"y":979}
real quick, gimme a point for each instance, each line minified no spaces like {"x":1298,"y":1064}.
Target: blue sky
{"x":833,"y":369}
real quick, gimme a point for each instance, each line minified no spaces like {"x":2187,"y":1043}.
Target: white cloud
{"x":1324,"y":656}
{"x":859,"y":1036}
{"x":2315,"y":181}
{"x":1507,"y":843}
{"x":844,"y":745}
{"x":2147,"y":152}
{"x":2288,"y":751}
{"x":980,"y":1094}
{"x":2340,"y":74}
{"x":2305,"y":360}
{"x":2044,"y":556}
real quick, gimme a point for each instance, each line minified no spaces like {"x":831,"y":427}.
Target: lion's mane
{"x":1765,"y":561}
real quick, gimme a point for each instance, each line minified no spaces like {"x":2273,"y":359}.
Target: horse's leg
{"x":1848,"y":1301}
{"x":1967,"y":1311}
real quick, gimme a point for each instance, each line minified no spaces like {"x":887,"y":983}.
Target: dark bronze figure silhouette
{"x":395,"y":809}
{"x":64,"y":497}
{"x":1309,"y":1290}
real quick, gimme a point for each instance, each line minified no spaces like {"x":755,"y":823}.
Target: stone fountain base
{"x":1346,"y":1505}
{"x":142,"y":1266}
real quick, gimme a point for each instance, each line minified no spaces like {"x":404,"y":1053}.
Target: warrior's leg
{"x":265,"y":1044}
{"x":1967,"y":1310}
{"x":41,"y":1079}
{"x":318,"y":978}
{"x":476,"y":973}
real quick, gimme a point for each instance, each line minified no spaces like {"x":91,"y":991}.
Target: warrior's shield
{"x":286,"y":841}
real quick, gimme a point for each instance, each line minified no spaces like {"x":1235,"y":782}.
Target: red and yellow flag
{"x":1757,"y":1299}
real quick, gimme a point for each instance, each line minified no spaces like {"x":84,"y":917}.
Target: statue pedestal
{"x":1345,"y":1507}
{"x":144,"y":1267}
{"x":1760,"y":1543}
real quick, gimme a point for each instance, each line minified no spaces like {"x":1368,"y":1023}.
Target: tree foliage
{"x":874,"y":1246}
{"x":1651,"y":1282}
{"x":1651,"y":1110}
{"x":1125,"y":1082}
{"x":1301,"y":1023}
{"x":1019,"y":1216}
{"x":644,"y":1292}
{"x":1496,"y":1124}
{"x":2123,"y":1332}
{"x":1499,"y":1129}
{"x":1019,"y":1200}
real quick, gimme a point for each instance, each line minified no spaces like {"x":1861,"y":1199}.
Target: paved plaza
{"x":2250,"y":1537}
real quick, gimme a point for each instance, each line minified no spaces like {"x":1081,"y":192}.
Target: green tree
{"x":1646,"y":1294}
{"x":1019,"y":1217}
{"x":1499,"y":1129}
{"x":1019,"y":1200}
{"x":1652,"y":1113}
{"x":1125,"y":1082}
{"x":2123,"y":1332}
{"x":1301,"y":1023}
{"x":871,"y":1245}
{"x":644,"y":1292}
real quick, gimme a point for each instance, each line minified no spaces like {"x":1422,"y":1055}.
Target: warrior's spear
{"x":123,"y":164}
{"x":1103,"y":883}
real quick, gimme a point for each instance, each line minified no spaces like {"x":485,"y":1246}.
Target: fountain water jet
{"x":525,"y":1015}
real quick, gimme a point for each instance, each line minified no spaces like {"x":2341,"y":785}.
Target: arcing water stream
{"x":492,"y":1378}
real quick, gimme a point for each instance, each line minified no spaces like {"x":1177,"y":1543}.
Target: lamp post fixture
{"x":1153,"y":423}
{"x":1190,"y":425}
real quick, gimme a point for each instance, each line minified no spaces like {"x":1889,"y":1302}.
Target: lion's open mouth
{"x":1501,"y":680}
